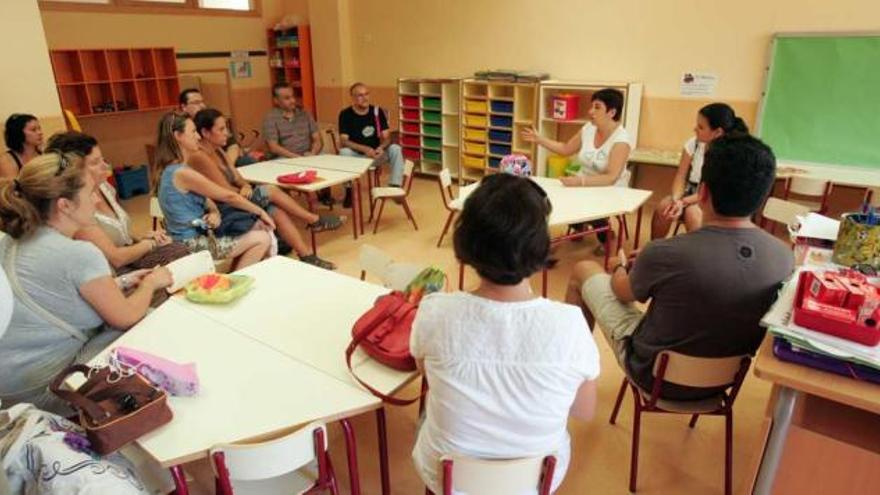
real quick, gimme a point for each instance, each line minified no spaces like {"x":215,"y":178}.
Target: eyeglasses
{"x":361,"y":95}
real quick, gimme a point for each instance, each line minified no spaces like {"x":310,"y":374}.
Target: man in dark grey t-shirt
{"x":709,"y":288}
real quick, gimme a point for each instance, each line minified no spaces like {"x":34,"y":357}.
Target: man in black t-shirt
{"x":363,"y":131}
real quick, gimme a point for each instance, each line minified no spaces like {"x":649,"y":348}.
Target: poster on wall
{"x":240,"y":65}
{"x":698,"y":84}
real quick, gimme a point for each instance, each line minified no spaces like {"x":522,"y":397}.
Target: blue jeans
{"x":393,"y":156}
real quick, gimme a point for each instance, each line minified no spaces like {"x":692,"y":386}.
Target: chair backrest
{"x":394,"y":275}
{"x":692,"y":371}
{"x":265,"y":460}
{"x":808,"y":186}
{"x":784,"y":212}
{"x":446,"y":187}
{"x":156,"y":209}
{"x":497,"y":477}
{"x":331,"y":142}
{"x":408,"y":167}
{"x":72,"y":121}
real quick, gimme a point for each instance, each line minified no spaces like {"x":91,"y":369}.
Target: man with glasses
{"x":363,"y":131}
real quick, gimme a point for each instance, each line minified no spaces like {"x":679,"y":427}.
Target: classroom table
{"x":572,"y":205}
{"x":249,"y":391}
{"x":267,"y":173}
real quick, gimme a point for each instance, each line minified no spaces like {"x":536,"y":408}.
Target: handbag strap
{"x":27,"y":300}
{"x":92,"y":409}
{"x":355,"y":342}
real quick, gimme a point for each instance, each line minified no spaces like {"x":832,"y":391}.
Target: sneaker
{"x":314,"y":260}
{"x":327,"y":222}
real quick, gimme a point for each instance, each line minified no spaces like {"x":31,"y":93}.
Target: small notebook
{"x":185,"y":269}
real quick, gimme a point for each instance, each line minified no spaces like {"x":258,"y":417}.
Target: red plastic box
{"x":565,"y":106}
{"x":833,"y":320}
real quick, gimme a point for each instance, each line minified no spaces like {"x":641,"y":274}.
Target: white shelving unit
{"x":429,"y":123}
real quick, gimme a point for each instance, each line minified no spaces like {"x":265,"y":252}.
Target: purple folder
{"x":784,"y":351}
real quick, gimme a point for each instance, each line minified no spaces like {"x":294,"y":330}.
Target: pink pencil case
{"x":174,"y":378}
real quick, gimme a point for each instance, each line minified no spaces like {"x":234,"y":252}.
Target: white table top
{"x":578,"y":204}
{"x":353,"y":164}
{"x":842,"y":176}
{"x":268,"y":172}
{"x":306,"y":313}
{"x":248,"y":389}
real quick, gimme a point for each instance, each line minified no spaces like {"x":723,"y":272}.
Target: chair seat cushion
{"x":388,"y":192}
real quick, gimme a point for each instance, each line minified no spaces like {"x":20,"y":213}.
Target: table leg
{"x":360,"y":203}
{"x":180,"y":486}
{"x":620,"y":232}
{"x":383,"y":451}
{"x":351,"y":451}
{"x":638,"y":229}
{"x":354,"y":208}
{"x":782,"y":412}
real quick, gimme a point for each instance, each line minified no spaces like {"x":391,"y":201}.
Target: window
{"x":218,"y":7}
{"x":226,"y":4}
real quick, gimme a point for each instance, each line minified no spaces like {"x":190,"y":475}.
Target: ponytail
{"x":721,"y":115}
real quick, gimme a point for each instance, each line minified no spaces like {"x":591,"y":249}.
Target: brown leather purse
{"x":114,"y":408}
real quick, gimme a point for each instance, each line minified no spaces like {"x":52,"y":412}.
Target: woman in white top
{"x":713,"y":121}
{"x":64,"y":293}
{"x":506,"y":367}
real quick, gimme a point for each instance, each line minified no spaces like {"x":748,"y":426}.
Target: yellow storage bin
{"x":556,"y":165}
{"x":476,"y":120}
{"x":476,"y":148}
{"x":476,"y":106}
{"x":473,"y":162}
{"x":475,"y":134}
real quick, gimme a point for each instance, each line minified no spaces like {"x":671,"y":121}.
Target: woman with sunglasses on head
{"x":507,"y":367}
{"x":65,"y":293}
{"x":24,"y":137}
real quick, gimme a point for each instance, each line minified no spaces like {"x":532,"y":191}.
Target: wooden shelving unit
{"x":98,"y":82}
{"x":290,"y":60}
{"x":492,"y":116}
{"x":562,"y":130}
{"x":429,"y":123}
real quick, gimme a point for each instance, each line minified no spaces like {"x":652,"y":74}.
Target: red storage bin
{"x":407,"y":140}
{"x":409,"y":101}
{"x":827,"y":317}
{"x":411,"y":127}
{"x":412,"y":153}
{"x":565,"y":106}
{"x":410,"y":114}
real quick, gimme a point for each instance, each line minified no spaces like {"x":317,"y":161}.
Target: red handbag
{"x":383,"y":333}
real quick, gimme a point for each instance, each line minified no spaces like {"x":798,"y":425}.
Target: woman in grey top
{"x":64,"y":292}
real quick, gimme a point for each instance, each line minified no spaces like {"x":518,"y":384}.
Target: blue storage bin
{"x":503,"y":136}
{"x":501,"y":121}
{"x":132,"y":181}
{"x":502,"y":106}
{"x":499,"y":149}
{"x":494,"y":162}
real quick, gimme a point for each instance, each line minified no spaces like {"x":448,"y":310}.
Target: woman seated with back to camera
{"x":506,"y":367}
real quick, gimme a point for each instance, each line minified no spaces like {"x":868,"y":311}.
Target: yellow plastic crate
{"x":473,"y":162}
{"x":476,"y":148}
{"x":475,"y":134}
{"x":476,"y":120}
{"x":476,"y":106}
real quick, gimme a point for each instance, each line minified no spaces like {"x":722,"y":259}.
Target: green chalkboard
{"x":822,"y":100}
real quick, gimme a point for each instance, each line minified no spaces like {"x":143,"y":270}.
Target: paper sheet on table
{"x":185,"y":269}
{"x":816,"y":226}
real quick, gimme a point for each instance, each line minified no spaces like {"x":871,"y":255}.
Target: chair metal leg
{"x":180,"y":486}
{"x":446,"y":227}
{"x":618,"y":402}
{"x":728,"y":453}
{"x":333,"y":486}
{"x":694,"y":419}
{"x":383,"y":451}
{"x":634,"y":461}
{"x":379,"y":214}
{"x":409,"y":214}
{"x":354,"y":479}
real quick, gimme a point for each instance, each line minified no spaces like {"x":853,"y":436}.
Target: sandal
{"x":314,"y":260}
{"x":327,"y":222}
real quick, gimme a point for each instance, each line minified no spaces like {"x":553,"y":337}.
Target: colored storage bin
{"x":411,"y":153}
{"x":431,"y":130}
{"x":556,"y":165}
{"x":477,"y":148}
{"x":502,"y":121}
{"x":433,"y":117}
{"x":409,"y":114}
{"x":502,"y":106}
{"x":475,"y":120}
{"x":475,"y":106}
{"x":428,"y":142}
{"x":407,"y":140}
{"x":409,"y":101}
{"x":494,"y":162}
{"x":132,"y":181}
{"x":473,"y":162}
{"x":431,"y":103}
{"x":431,"y":156}
{"x":411,"y":127}
{"x":503,"y":136}
{"x":499,"y":149}
{"x":474,"y":134}
{"x":565,"y":106}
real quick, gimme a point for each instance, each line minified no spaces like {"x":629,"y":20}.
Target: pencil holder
{"x":858,"y":241}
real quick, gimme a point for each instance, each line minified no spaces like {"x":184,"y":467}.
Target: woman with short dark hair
{"x":506,"y":367}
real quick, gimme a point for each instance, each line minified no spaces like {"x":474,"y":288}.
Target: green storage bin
{"x":432,"y":117}
{"x":431,"y":156}
{"x":431,"y":130}
{"x":431,"y":103}
{"x":428,"y":142}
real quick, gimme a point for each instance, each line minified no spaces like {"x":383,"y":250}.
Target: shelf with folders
{"x":563,"y":110}
{"x":492,"y":116}
{"x":429,"y":123}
